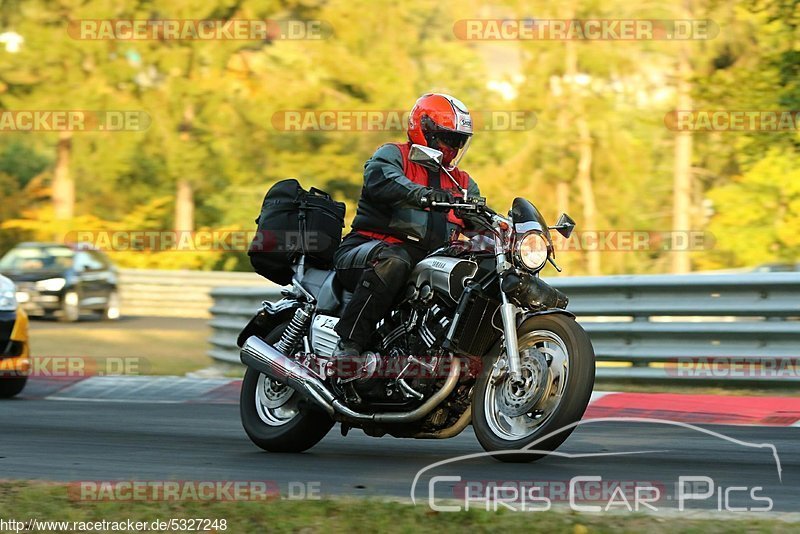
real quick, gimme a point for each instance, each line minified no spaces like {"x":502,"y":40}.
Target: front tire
{"x":274,"y":417}
{"x":11,"y":386}
{"x":558,"y":369}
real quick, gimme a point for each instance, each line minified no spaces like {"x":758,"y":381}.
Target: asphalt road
{"x":72,"y":441}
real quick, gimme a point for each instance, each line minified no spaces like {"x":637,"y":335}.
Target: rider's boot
{"x":346,"y":358}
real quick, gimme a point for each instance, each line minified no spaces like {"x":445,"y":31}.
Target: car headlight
{"x":51,"y":284}
{"x":532,"y":251}
{"x":8,"y":300}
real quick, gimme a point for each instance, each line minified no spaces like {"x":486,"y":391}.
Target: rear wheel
{"x":557,"y":377}
{"x":273,"y":415}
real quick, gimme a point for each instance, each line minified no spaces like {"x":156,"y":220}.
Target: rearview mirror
{"x":426,"y":156}
{"x":430,"y":158}
{"x":564,"y":225}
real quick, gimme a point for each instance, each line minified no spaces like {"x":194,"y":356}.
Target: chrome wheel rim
{"x":547,"y":355}
{"x":276,"y":403}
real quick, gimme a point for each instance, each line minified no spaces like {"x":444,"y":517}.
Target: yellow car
{"x":14,"y":352}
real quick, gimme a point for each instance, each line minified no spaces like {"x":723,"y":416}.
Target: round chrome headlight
{"x":532,"y":251}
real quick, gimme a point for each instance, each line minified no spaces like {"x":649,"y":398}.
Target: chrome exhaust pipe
{"x":265,"y":359}
{"x":451,"y":431}
{"x":426,"y":407}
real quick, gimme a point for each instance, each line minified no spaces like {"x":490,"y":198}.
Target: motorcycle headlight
{"x":51,"y":284}
{"x":8,"y":300}
{"x":532,"y":251}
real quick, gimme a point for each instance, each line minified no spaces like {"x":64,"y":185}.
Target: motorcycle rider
{"x":395,"y":225}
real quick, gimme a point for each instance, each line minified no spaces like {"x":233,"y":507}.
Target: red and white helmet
{"x":441,"y":122}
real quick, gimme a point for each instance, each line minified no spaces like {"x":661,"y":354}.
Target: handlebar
{"x":477,"y":206}
{"x":457,"y":205}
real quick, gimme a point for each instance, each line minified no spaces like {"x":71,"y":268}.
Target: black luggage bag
{"x":292,"y":222}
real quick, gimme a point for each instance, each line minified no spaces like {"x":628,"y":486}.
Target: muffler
{"x":265,"y":359}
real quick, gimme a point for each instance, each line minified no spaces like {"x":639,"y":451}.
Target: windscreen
{"x":37,"y":259}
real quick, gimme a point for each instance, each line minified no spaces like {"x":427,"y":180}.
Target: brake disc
{"x":520,"y":397}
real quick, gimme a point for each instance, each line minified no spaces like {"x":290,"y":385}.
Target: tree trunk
{"x":682,"y":173}
{"x":584,"y":179}
{"x":584,"y":172}
{"x":63,"y":186}
{"x":184,"y":206}
{"x":562,"y":197}
{"x":184,"y":192}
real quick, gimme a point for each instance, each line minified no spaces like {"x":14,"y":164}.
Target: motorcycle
{"x":478,"y":338}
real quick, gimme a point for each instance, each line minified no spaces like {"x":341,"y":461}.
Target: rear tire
{"x":496,"y":432}
{"x":11,"y":387}
{"x":295,"y":434}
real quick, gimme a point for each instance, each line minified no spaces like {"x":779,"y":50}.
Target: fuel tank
{"x":446,"y":275}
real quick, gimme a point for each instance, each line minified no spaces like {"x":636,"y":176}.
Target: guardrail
{"x":179,"y":293}
{"x":233,"y":307}
{"x":703,"y":327}
{"x":710,"y":328}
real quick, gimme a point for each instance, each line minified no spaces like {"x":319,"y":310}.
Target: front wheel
{"x":11,"y":386}
{"x":273,"y":416}
{"x":552,"y":392}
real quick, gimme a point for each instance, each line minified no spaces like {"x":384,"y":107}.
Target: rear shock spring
{"x":294,"y":332}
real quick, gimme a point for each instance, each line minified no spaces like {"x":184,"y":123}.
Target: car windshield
{"x":37,"y":259}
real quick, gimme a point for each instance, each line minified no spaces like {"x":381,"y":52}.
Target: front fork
{"x":508,"y":311}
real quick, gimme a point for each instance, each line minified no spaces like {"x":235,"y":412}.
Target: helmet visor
{"x":458,"y":149}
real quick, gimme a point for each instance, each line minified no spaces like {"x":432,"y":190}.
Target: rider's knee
{"x":393,"y":265}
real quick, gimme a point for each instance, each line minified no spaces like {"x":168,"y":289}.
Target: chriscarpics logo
{"x":588,"y":475}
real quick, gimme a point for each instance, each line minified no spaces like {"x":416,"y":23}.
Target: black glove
{"x":440,"y":196}
{"x":425,"y":196}
{"x":419,"y":196}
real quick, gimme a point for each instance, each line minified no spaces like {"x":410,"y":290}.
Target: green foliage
{"x":758,"y":214}
{"x":22,"y":161}
{"x":211,"y":106}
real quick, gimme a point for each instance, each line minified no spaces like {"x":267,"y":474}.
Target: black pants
{"x":376,"y":272}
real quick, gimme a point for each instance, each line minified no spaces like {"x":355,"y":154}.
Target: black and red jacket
{"x":384,"y":210}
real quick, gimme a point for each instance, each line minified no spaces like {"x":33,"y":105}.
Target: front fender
{"x":269,"y":316}
{"x":531,"y":292}
{"x":522,"y":317}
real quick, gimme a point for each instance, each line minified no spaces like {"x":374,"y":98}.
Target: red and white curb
{"x":716,"y":409}
{"x":703,"y":409}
